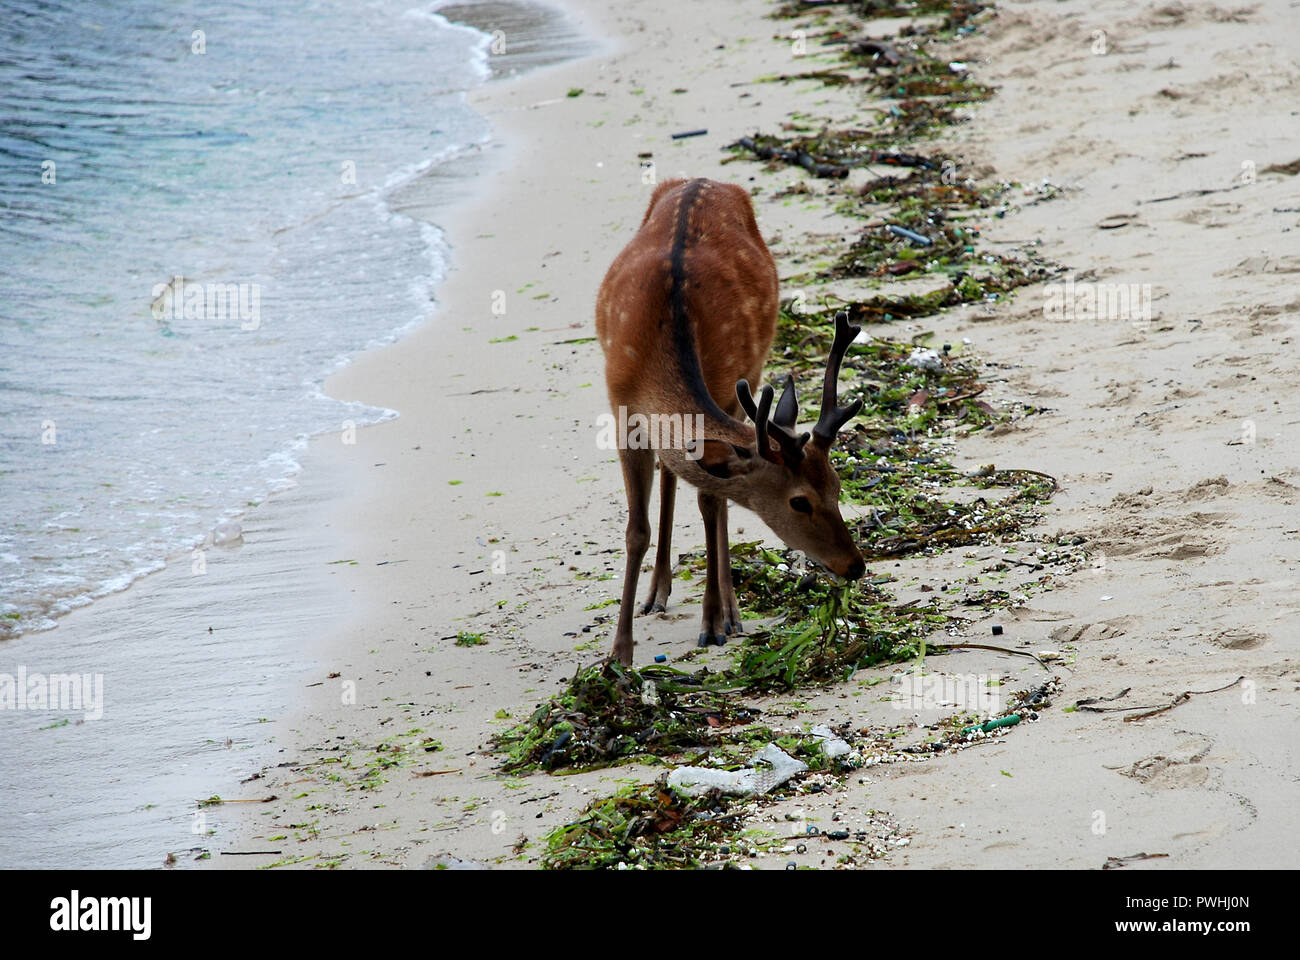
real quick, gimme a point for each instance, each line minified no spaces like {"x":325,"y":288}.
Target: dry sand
{"x":493,"y":460}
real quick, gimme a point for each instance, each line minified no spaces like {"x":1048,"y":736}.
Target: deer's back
{"x":696,"y":278}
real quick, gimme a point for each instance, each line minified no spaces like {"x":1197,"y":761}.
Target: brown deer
{"x":686,"y":316}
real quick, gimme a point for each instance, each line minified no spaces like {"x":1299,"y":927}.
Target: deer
{"x":685,"y":316}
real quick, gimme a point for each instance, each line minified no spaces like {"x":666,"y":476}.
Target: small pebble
{"x":997,"y":629}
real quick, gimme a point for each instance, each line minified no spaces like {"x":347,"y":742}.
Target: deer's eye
{"x":801,"y":505}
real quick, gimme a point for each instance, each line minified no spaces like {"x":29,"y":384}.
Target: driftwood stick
{"x":1181,"y":699}
{"x":987,"y":646}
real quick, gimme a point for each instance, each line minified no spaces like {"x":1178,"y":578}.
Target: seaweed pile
{"x":647,"y":825}
{"x":919,"y":218}
{"x":610,"y":714}
{"x":893,"y":463}
{"x":650,"y":826}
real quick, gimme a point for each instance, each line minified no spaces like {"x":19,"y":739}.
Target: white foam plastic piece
{"x":924,"y":359}
{"x":772,"y":767}
{"x":832,"y":745}
{"x":696,"y":781}
{"x":650,"y":695}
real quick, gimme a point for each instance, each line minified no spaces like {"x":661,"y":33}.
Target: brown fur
{"x":723,"y":323}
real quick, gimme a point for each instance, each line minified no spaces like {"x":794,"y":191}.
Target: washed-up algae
{"x":651,"y":826}
{"x":824,"y":632}
{"x":610,"y":714}
{"x":891,"y":463}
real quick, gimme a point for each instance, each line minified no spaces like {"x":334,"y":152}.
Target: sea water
{"x":201,"y":217}
{"x":194,"y":234}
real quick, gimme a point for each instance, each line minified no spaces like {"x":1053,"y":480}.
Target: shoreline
{"x":241,"y":631}
{"x":498,"y":409}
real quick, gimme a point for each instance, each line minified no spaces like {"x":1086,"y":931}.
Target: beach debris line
{"x":933,"y":203}
{"x":836,"y":153}
{"x":957,"y":14}
{"x":697,"y":817}
{"x":799,"y":157}
{"x":647,"y":826}
{"x":914,"y":399}
{"x":956,"y":732}
{"x":609,"y":714}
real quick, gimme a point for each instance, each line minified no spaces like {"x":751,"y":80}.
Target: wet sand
{"x":487,"y":508}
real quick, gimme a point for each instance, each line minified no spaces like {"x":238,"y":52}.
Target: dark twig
{"x":986,"y":646}
{"x":1181,"y":699}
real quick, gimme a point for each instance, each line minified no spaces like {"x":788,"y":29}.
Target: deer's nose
{"x":856,"y":569}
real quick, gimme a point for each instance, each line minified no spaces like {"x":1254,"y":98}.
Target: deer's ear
{"x":724,"y":460}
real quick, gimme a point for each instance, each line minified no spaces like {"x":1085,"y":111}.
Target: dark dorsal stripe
{"x":688,"y":358}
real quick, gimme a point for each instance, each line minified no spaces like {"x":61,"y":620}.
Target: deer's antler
{"x":833,"y":416}
{"x":791,"y":446}
{"x":787,"y":408}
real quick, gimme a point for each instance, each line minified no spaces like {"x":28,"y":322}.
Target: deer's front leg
{"x":726,"y":587}
{"x":713,"y":628}
{"x":661,"y":583}
{"x":638,"y":475}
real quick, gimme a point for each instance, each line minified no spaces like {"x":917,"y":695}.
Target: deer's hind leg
{"x":661,"y":582}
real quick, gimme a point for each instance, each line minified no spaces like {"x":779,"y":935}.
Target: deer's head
{"x":788,"y":479}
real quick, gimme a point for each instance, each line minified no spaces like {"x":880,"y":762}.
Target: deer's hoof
{"x":652,"y":606}
{"x":720,"y":639}
{"x":733,"y":626}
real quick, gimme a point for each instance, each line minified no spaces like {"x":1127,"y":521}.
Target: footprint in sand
{"x":1238,"y":639}
{"x":1180,"y":768}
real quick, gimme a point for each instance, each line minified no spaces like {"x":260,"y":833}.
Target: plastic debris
{"x":649,"y":695}
{"x":772,"y":767}
{"x":919,"y":239}
{"x":997,"y":629}
{"x":925,"y":359}
{"x":661,"y":658}
{"x":832,"y":745}
{"x":1010,"y":720}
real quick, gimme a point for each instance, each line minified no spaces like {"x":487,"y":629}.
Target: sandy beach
{"x":486,"y":510}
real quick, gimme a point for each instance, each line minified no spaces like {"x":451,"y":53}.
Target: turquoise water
{"x":254,"y":160}
{"x":279,"y":171}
